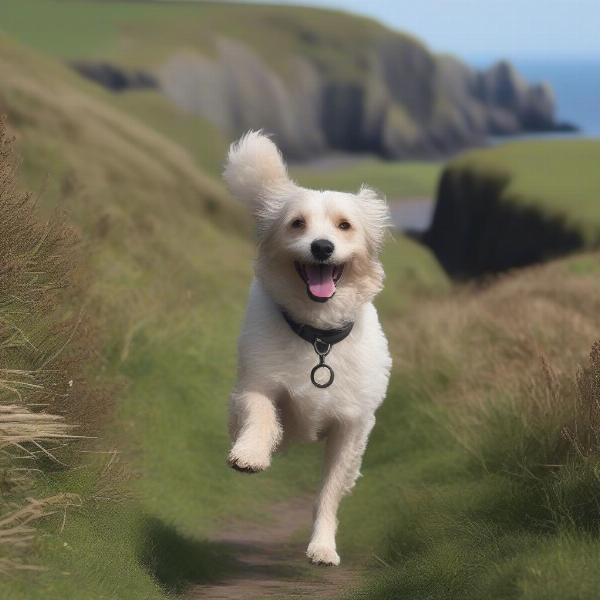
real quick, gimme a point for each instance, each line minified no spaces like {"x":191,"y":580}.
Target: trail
{"x":273,"y":561}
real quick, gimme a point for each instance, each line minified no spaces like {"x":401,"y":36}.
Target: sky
{"x":480,"y":29}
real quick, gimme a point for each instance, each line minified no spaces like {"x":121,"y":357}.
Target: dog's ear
{"x":376,"y":217}
{"x":255,"y":172}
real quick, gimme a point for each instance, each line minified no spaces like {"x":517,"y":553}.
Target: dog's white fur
{"x":274,"y":400}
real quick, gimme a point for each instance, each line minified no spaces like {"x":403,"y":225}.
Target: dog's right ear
{"x":255,"y":173}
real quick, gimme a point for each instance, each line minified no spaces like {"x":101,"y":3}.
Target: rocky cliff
{"x":516,"y":204}
{"x":320,"y":80}
{"x":478,"y":228}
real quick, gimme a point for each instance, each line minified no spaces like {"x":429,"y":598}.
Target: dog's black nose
{"x":322,"y":249}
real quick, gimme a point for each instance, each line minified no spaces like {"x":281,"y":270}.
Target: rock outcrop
{"x":237,"y":91}
{"x":512,"y":103}
{"x":114,"y":78}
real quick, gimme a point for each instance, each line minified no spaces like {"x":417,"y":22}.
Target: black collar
{"x":312,"y":334}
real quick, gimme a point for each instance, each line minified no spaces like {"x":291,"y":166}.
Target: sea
{"x":576,"y":85}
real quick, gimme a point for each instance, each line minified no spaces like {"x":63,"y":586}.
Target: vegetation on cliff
{"x":515,"y":205}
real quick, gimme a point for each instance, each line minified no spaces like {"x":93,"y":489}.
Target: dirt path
{"x":272,"y":560}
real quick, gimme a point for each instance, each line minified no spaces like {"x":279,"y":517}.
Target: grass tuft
{"x":44,"y":351}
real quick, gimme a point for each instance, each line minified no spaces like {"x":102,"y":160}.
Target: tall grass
{"x":44,"y":350}
{"x":482,"y":475}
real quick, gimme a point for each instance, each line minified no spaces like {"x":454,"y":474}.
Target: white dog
{"x":313,"y":360}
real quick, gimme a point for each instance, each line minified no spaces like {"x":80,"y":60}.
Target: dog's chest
{"x":276,"y":359}
{"x":296,"y":359}
{"x":340,"y":367}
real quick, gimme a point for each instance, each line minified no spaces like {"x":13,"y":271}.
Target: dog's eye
{"x":344,"y":225}
{"x":297,"y":224}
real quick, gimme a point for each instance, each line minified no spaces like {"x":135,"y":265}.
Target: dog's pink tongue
{"x":320,"y":280}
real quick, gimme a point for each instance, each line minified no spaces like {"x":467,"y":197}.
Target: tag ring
{"x":314,"y":371}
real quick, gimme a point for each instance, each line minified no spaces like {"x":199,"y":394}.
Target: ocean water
{"x":576,"y":84}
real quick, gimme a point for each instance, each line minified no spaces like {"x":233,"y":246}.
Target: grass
{"x":145,"y":33}
{"x":49,"y":403}
{"x":396,"y":180}
{"x":557,"y":176}
{"x":170,"y":261}
{"x":480,"y":476}
{"x":151,"y":225}
{"x":202,"y":140}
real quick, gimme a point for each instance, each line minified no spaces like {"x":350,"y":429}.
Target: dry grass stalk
{"x":19,"y":426}
{"x":35,"y":267}
{"x":583,"y":431}
{"x":488,"y":343}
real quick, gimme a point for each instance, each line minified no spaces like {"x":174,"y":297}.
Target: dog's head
{"x":318,"y":250}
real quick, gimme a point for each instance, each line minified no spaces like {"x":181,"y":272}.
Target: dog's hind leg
{"x":343,"y":444}
{"x":360,"y":446}
{"x":255,"y":430}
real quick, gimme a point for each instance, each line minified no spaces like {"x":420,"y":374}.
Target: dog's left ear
{"x":376,"y":216}
{"x":256,"y":174}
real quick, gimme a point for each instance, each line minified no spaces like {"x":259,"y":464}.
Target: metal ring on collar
{"x":314,"y":372}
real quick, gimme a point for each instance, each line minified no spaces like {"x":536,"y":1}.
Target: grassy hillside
{"x":146,"y":33}
{"x":148,"y":217}
{"x":481,"y":476}
{"x":170,"y":257}
{"x":559,"y":177}
{"x":517,"y":204}
{"x":397,"y":180}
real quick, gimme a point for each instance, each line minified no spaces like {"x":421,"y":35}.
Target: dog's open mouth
{"x":320,"y":279}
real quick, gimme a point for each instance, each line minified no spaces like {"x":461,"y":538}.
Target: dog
{"x":313,"y":361}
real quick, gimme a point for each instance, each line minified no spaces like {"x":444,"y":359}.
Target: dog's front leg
{"x":340,"y":451}
{"x":255,"y":431}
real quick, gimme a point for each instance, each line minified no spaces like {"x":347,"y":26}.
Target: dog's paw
{"x":246,"y":463}
{"x":323,"y":555}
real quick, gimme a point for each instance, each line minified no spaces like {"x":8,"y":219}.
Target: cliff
{"x":317,"y":79}
{"x":515,"y":205}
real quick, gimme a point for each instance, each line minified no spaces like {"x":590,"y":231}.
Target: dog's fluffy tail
{"x":254,"y":168}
